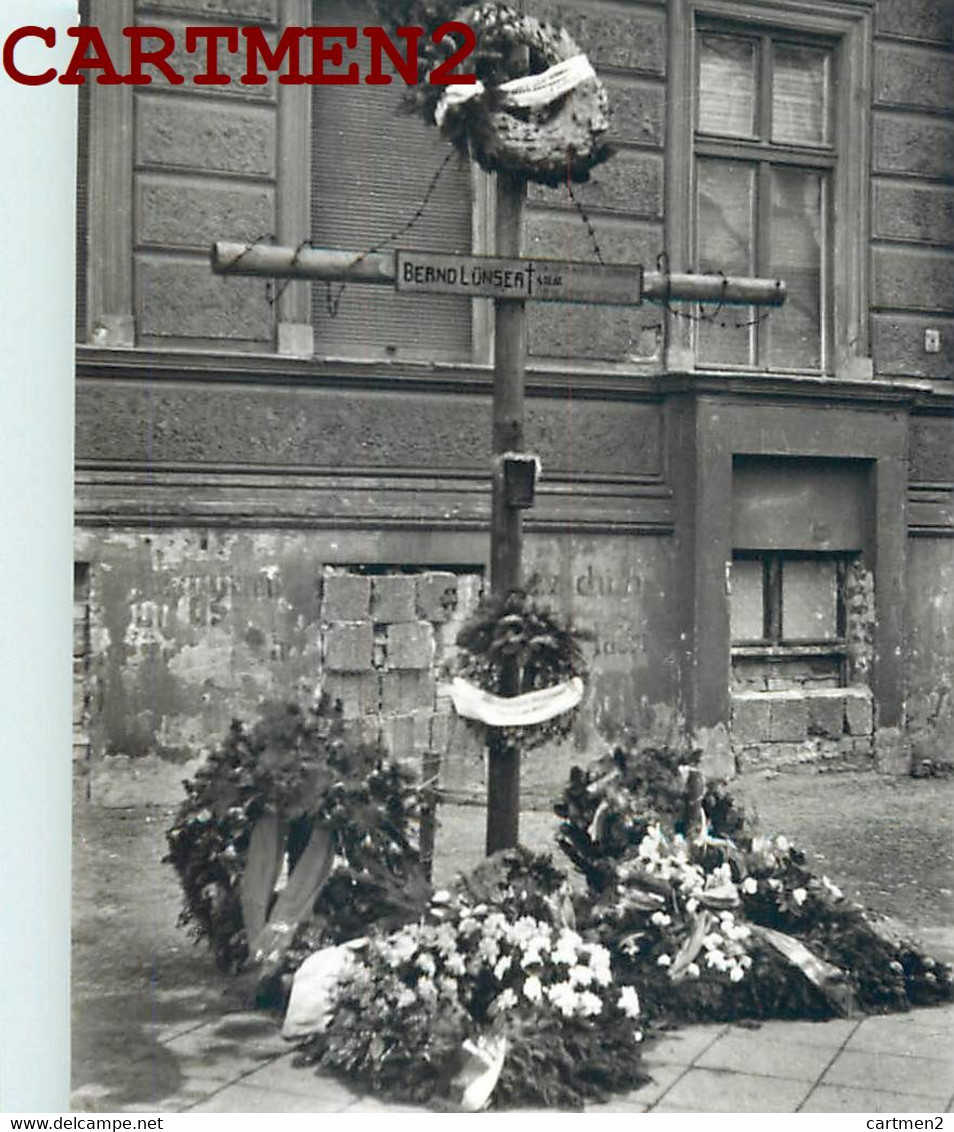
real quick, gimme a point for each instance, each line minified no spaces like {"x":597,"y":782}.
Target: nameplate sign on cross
{"x":495,"y":277}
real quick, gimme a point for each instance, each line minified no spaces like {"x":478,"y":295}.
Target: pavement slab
{"x":283,"y":1077}
{"x":682,"y":1047}
{"x":244,"y":1098}
{"x":717,"y":1090}
{"x":890,"y":1035}
{"x":840,"y":1098}
{"x":832,"y":1034}
{"x":664,"y":1076}
{"x":207,"y":1053}
{"x":750,"y":1052}
{"x":912,"y":1076}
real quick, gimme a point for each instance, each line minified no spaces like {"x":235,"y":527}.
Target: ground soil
{"x":885,"y":841}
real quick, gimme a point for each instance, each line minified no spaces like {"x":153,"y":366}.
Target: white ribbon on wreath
{"x":472,"y":702}
{"x":528,"y":92}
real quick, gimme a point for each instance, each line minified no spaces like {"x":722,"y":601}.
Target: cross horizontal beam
{"x":338,"y":266}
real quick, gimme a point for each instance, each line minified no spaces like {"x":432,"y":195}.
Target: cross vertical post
{"x":506,"y":525}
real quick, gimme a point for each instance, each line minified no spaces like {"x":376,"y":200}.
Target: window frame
{"x":849,"y":26}
{"x":773,"y":608}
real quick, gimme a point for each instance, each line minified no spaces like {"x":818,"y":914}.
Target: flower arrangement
{"x":295,"y":794}
{"x":406,"y":1011}
{"x":516,"y":634}
{"x":711,"y":921}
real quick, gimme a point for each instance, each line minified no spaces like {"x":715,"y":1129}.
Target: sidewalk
{"x":900,"y":1063}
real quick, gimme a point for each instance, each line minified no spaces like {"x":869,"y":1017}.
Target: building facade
{"x":280,"y":487}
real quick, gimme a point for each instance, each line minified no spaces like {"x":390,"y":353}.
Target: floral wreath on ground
{"x":494,"y":992}
{"x":514,"y":986}
{"x":516,"y":634}
{"x":537,"y":110}
{"x":713,"y":921}
{"x":294,"y":834}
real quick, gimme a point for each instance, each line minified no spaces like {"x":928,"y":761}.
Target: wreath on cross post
{"x":537,"y":110}
{"x":513,"y":637}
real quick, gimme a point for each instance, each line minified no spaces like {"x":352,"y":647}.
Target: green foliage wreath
{"x":543,"y":647}
{"x":547,"y":145}
{"x":300,"y":771}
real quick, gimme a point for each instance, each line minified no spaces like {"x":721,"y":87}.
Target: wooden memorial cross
{"x":510,"y":280}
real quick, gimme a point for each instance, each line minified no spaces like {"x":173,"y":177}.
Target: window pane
{"x":794,"y":331}
{"x":727,"y":85}
{"x":800,"y":95}
{"x":809,"y":600}
{"x":725,"y":221}
{"x":746,"y":609}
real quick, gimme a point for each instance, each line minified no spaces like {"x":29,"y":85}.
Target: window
{"x":764,"y":160}
{"x":768,"y":177}
{"x":788,"y":617}
{"x":371,"y":167}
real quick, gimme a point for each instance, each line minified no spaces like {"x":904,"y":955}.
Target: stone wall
{"x":624,"y":197}
{"x":206,"y":168}
{"x":912,"y":196}
{"x":787,"y":729}
{"x":189,"y":628}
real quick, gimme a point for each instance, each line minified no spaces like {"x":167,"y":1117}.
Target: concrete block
{"x":345,"y":597}
{"x":410,"y":645}
{"x":393,"y":598}
{"x":750,"y":720}
{"x":859,"y":713}
{"x":897,"y":346}
{"x":791,"y":756}
{"x":470,"y":587}
{"x":462,"y":756}
{"x":193,"y":215}
{"x":406,"y":691}
{"x":359,"y":693}
{"x":178,"y":133}
{"x":630,"y":183}
{"x":407,"y":737}
{"x":366,"y":729}
{"x":903,"y":145}
{"x":913,"y":278}
{"x":627,"y":37}
{"x":637,"y":111}
{"x":907,"y":75}
{"x":560,"y":235}
{"x":191,"y":64}
{"x":788,"y":719}
{"x":916,"y":19}
{"x":753,"y":758}
{"x":717,"y":762}
{"x":179,"y":298}
{"x":436,"y":596}
{"x":348,"y":647}
{"x":826,"y":715}
{"x":914,"y":212}
{"x":892,"y":752}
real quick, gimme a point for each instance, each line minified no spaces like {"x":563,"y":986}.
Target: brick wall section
{"x":206,"y":169}
{"x":913,"y":188}
{"x":773,"y":730}
{"x":386,"y":640}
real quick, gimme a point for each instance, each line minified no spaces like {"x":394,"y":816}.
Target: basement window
{"x":787,"y":616}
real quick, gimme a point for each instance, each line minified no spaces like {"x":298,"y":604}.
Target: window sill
{"x":790,"y":652}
